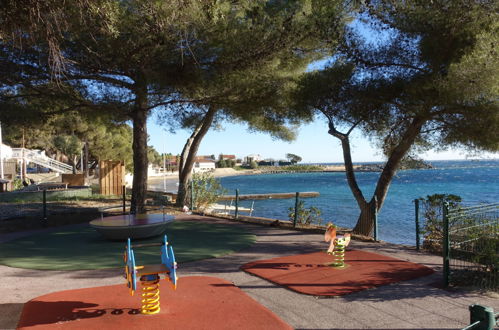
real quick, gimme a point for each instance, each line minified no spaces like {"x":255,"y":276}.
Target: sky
{"x":313,"y":144}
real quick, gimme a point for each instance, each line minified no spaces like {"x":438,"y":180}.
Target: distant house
{"x":227,"y":157}
{"x":171,"y":163}
{"x":206,"y":157}
{"x":203,"y":164}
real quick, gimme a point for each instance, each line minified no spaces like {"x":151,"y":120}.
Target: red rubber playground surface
{"x":310,"y":274}
{"x":199,"y":302}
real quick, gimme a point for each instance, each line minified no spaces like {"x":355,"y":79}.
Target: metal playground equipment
{"x":337,"y":246}
{"x":149,"y":274}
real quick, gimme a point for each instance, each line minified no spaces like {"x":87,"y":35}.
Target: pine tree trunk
{"x":365,"y":221}
{"x":85,"y":162}
{"x":74,"y":162}
{"x":188,"y":156}
{"x":139,"y":147}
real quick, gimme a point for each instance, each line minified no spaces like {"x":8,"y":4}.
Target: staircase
{"x":34,"y":157}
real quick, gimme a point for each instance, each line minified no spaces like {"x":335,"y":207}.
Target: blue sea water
{"x":475,"y":181}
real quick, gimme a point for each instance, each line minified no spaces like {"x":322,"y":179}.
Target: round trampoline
{"x":133,"y":226}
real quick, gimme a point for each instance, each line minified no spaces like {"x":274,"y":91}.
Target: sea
{"x":475,"y":181}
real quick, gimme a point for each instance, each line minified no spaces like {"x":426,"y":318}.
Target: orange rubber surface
{"x":199,"y":302}
{"x":310,"y":274}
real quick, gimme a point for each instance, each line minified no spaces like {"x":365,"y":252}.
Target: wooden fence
{"x":111,"y":177}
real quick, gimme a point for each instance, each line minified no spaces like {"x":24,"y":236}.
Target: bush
{"x":253,"y":165}
{"x":17,"y":184}
{"x":221,"y":163}
{"x":433,"y":219}
{"x":305,"y":215}
{"x":207,"y":190}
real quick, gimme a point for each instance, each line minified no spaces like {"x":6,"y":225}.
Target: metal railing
{"x":34,"y":157}
{"x":250,"y":206}
{"x":471,"y":246}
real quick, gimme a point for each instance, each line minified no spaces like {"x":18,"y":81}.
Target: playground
{"x":230,"y":275}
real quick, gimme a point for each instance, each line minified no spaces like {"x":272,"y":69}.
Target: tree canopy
{"x":425,"y":76}
{"x":293,"y":158}
{"x":138,"y":55}
{"x":409,"y":75}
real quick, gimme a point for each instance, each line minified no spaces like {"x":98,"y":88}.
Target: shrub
{"x":207,"y":190}
{"x":433,"y":219}
{"x":17,"y":184}
{"x":305,"y":215}
{"x":221,"y":163}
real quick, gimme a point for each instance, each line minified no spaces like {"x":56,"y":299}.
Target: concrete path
{"x":414,"y":304}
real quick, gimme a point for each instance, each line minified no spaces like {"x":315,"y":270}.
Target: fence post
{"x":375,"y":212}
{"x":296,"y":209}
{"x":236,"y":213}
{"x":192,"y":195}
{"x":416,"y":212}
{"x":44,"y":194}
{"x":124,"y":199}
{"x":445,"y":243}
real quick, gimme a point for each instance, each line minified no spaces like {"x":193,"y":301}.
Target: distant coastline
{"x":167,"y":180}
{"x":159,"y":182}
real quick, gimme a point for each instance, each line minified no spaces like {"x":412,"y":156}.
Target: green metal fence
{"x":470,"y":246}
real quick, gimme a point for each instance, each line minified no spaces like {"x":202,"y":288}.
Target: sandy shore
{"x":169,"y":182}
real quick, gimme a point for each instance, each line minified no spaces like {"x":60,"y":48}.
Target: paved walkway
{"x":414,"y":304}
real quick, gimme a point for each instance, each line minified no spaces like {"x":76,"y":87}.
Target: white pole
{"x":164,"y":172}
{"x":1,"y":157}
{"x":22,"y":160}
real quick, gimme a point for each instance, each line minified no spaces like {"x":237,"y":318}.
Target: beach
{"x":169,"y":182}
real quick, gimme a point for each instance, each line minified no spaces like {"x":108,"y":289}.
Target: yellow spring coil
{"x":150,"y":297}
{"x":339,"y":253}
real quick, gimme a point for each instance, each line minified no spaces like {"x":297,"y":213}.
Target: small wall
{"x":37,"y":196}
{"x":74,"y":179}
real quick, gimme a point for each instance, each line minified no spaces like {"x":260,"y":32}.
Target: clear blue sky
{"x":313,"y":144}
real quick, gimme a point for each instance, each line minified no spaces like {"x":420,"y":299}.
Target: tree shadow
{"x":44,"y":312}
{"x":10,"y":315}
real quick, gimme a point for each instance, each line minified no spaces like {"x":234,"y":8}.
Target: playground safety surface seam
{"x":413,"y":304}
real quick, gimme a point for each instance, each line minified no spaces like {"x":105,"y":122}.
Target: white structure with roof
{"x":203,"y":165}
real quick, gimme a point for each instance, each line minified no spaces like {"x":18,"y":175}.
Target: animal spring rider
{"x":337,"y":246}
{"x":149,"y":274}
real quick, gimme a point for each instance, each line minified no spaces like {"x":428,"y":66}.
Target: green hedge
{"x":37,"y":196}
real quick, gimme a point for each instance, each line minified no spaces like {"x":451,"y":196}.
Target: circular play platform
{"x":133,"y":226}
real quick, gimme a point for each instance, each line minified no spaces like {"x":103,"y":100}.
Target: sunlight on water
{"x":475,"y":182}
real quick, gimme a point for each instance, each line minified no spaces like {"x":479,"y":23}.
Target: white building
{"x":5,"y":151}
{"x":203,"y":164}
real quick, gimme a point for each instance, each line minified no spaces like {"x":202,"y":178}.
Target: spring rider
{"x":149,"y":274}
{"x":337,"y":246}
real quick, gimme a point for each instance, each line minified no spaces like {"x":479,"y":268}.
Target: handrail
{"x":45,"y":161}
